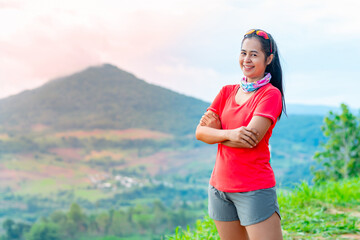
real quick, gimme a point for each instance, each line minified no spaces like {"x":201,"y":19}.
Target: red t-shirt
{"x":245,"y":169}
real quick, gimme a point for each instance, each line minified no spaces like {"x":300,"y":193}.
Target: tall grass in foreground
{"x":326,"y":211}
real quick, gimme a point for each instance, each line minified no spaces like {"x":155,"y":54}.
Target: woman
{"x":242,"y":195}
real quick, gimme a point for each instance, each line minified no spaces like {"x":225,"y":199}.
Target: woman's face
{"x":252,"y":59}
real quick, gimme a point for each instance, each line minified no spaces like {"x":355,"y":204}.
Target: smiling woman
{"x":242,"y":194}
{"x":252,"y":61}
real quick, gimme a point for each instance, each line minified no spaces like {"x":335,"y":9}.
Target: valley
{"x":104,"y":139}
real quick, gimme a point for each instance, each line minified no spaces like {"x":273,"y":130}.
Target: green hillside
{"x":326,"y":211}
{"x":102,"y":97}
{"x":293,"y":143}
{"x":106,"y":140}
{"x":329,"y":210}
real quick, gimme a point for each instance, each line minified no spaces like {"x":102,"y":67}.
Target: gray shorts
{"x":248,"y":207}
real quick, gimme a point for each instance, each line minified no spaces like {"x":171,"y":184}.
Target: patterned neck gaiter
{"x":252,"y":86}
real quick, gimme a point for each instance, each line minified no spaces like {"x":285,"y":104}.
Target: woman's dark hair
{"x":274,"y":68}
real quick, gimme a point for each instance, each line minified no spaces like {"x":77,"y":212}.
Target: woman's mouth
{"x":247,"y":68}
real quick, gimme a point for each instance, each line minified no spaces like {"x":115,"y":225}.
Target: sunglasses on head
{"x":260,"y":33}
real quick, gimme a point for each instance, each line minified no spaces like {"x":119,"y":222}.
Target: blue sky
{"x":191,"y":47}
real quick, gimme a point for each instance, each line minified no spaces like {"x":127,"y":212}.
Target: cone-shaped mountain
{"x":102,"y":97}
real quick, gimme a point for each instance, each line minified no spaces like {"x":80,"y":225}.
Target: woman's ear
{"x":269,"y":59}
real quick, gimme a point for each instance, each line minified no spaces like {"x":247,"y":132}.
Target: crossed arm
{"x":209,"y":131}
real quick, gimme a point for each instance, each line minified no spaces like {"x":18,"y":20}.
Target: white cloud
{"x":203,"y":83}
{"x":323,"y":87}
{"x":188,"y":46}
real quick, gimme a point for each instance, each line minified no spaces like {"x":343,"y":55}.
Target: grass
{"x":43,"y":187}
{"x":19,"y":164}
{"x":110,"y":238}
{"x":49,"y":187}
{"x":327,"y":211}
{"x":91,"y":195}
{"x":321,"y":211}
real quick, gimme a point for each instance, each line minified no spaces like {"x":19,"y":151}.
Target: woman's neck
{"x":251,"y":80}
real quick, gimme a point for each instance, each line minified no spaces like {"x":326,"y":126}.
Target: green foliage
{"x":139,"y":222}
{"x":44,"y":231}
{"x":204,"y":229}
{"x":323,"y":211}
{"x":14,"y":230}
{"x":340,"y":156}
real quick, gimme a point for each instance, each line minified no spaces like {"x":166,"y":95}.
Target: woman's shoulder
{"x":230,"y":88}
{"x":270,"y":89}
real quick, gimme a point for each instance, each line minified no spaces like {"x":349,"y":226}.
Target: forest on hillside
{"x":93,"y":168}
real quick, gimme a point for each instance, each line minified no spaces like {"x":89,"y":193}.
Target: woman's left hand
{"x":210,"y":119}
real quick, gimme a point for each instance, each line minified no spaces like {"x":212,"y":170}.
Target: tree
{"x":340,"y":156}
{"x":102,"y":221}
{"x":120,"y":226}
{"x":76,"y":220}
{"x":76,"y":214}
{"x":44,"y":231}
{"x":14,"y":230}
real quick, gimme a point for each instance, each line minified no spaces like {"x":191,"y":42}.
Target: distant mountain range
{"x":301,"y":109}
{"x":102,"y":97}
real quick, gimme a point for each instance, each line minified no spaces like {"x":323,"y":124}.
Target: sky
{"x":191,"y":47}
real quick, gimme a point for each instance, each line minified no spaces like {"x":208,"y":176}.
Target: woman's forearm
{"x":242,"y":137}
{"x":211,"y":135}
{"x":209,"y":131}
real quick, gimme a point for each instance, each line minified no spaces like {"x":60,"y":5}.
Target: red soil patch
{"x":26,"y":156}
{"x":39,"y":127}
{"x":122,"y":134}
{"x":68,"y":153}
{"x":171,"y":161}
{"x":17,"y":175}
{"x":89,"y":171}
{"x":4,"y":136}
{"x":11,"y":178}
{"x":101,"y":154}
{"x":140,"y":134}
{"x":12,"y":175}
{"x":156,"y":163}
{"x":55,"y":171}
{"x":80,"y":134}
{"x":175,"y":161}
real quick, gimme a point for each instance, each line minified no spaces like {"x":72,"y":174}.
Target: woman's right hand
{"x":210,"y":119}
{"x":248,"y":137}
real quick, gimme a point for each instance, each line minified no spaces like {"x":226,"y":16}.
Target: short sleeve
{"x":270,"y":105}
{"x":219,"y":102}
